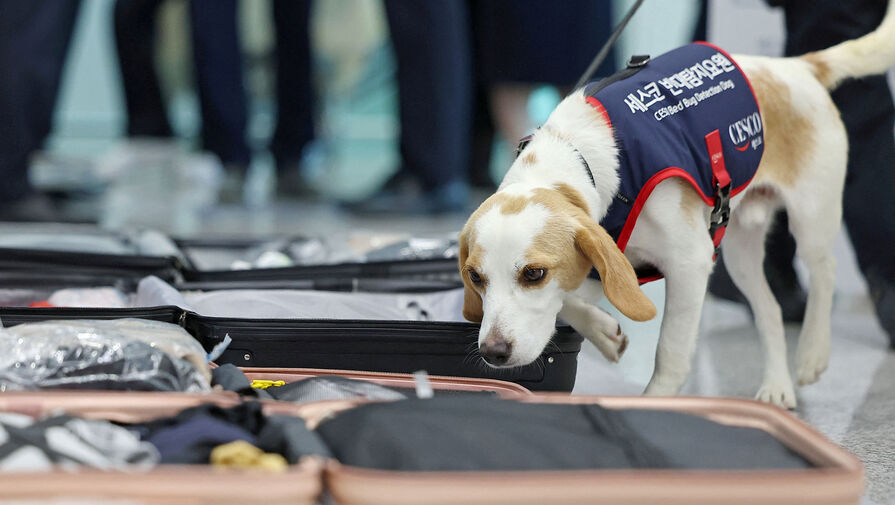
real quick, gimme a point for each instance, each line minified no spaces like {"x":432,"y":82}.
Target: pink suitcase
{"x":167,"y":484}
{"x":837,"y":479}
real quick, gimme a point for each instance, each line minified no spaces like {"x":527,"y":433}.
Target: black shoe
{"x":34,"y":208}
{"x":784,"y":284}
{"x":882,"y":293}
{"x":291,"y":184}
{"x":232,"y":188}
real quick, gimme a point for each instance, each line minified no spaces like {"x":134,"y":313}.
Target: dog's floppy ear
{"x":472,"y":302}
{"x":619,"y":280}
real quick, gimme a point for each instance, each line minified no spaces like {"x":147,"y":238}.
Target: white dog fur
{"x":543,"y":220}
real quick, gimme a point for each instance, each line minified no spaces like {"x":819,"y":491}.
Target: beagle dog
{"x":526,"y":253}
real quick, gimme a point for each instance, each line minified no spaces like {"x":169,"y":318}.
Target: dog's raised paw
{"x":611,"y":344}
{"x":811,"y":361}
{"x":615,"y":345}
{"x":623,"y":344}
{"x":778,"y":392}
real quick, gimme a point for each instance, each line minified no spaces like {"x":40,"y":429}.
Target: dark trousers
{"x":218,"y":70}
{"x":869,"y":116}
{"x":431,"y":43}
{"x":294,"y":87}
{"x":34,"y":40}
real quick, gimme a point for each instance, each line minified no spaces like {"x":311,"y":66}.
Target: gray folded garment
{"x":318,"y":389}
{"x":70,"y":443}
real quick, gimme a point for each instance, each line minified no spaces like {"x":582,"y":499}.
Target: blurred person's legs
{"x":219,"y":79}
{"x":431,"y":43}
{"x":294,"y":93}
{"x":481,"y":144}
{"x":135,"y":29}
{"x":220,"y":86}
{"x":34,"y":40}
{"x":523,"y":44}
{"x":218,"y":71}
{"x":701,"y":29}
{"x":869,"y":116}
{"x":509,"y":108}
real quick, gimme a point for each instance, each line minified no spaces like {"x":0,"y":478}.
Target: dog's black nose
{"x":496,"y":351}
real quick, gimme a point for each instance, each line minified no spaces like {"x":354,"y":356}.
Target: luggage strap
{"x":609,"y":423}
{"x":720,"y":216}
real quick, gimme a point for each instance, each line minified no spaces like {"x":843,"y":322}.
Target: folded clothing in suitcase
{"x":479,"y":450}
{"x":440,"y":348}
{"x":573,"y":450}
{"x":481,"y":434}
{"x":177,"y":429}
{"x":67,"y":442}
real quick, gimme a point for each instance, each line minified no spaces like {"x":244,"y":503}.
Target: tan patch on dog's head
{"x":554,"y":250}
{"x":530,"y":158}
{"x":508,"y":204}
{"x":789,"y":136}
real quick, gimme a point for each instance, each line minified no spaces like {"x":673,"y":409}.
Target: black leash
{"x":604,"y":51}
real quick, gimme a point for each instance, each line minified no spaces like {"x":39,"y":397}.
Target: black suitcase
{"x":440,"y":348}
{"x":188,"y":266}
{"x":79,"y":250}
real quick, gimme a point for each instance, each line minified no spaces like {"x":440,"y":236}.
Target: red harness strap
{"x":721,"y":181}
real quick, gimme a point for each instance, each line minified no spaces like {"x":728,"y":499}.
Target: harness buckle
{"x":721,"y":211}
{"x":638,"y":61}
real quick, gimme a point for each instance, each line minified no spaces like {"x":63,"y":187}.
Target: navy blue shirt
{"x":661,"y":117}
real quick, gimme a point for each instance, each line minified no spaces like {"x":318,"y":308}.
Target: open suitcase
{"x":440,"y":348}
{"x":830,"y":475}
{"x":78,"y":251}
{"x":174,"y":484}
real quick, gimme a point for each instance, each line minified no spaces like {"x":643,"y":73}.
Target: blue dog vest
{"x":689,"y":113}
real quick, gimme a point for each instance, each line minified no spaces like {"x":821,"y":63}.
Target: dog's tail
{"x":871,"y":54}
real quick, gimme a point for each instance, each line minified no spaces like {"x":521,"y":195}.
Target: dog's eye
{"x":533,"y":274}
{"x":474,"y":277}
